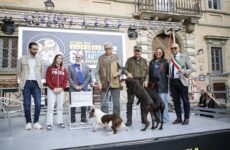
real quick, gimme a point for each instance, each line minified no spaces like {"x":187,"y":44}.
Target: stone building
{"x":203,"y":30}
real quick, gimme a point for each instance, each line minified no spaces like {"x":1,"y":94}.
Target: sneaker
{"x":73,"y":124}
{"x":49,"y":127}
{"x":28,"y":126}
{"x":37,"y":125}
{"x":61,"y":125}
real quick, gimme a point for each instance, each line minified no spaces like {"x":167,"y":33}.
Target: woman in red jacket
{"x":56,"y":79}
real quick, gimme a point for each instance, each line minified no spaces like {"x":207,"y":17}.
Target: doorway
{"x":219,"y":87}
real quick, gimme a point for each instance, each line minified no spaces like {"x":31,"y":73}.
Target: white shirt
{"x":31,"y":64}
{"x":176,"y":75}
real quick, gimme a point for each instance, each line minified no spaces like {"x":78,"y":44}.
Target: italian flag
{"x":179,"y":66}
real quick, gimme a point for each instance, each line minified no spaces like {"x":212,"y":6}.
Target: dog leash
{"x":106,"y":93}
{"x":103,"y":100}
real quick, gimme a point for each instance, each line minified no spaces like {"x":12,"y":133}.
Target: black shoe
{"x":128,"y":123}
{"x":177,"y":121}
{"x":84,"y":120}
{"x":185,"y":122}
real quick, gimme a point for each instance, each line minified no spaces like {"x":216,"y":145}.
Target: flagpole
{"x":174,"y":39}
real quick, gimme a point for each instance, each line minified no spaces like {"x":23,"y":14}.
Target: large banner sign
{"x":67,"y":42}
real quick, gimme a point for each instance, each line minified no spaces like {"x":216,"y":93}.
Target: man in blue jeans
{"x":29,"y":70}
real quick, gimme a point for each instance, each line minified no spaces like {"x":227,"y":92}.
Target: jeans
{"x":31,"y":88}
{"x":115,"y":95}
{"x":164,"y":97}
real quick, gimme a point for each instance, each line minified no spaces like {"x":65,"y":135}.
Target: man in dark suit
{"x":179,"y":70}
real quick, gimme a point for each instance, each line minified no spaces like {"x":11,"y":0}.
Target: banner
{"x":67,"y":42}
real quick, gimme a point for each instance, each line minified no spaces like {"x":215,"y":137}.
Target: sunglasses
{"x":158,"y":52}
{"x":108,"y":48}
{"x":173,"y":48}
{"x":137,"y":50}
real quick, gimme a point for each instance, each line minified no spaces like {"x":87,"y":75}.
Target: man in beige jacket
{"x":29,"y":70}
{"x":107,"y":76}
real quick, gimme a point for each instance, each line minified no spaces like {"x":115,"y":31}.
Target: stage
{"x":188,"y":137}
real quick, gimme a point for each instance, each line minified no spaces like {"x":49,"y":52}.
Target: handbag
{"x":154,"y":83}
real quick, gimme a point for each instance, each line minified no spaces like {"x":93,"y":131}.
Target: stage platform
{"x":185,"y":137}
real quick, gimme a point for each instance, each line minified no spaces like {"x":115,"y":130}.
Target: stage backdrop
{"x":67,"y":42}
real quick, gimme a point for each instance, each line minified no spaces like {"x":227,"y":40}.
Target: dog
{"x":102,"y":120}
{"x":150,"y":101}
{"x":160,"y":106}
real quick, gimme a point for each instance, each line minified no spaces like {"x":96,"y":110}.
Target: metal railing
{"x":189,"y":7}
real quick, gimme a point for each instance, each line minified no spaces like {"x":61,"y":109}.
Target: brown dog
{"x":148,"y":102}
{"x":115,"y":119}
{"x":103,"y":120}
{"x":157,"y":100}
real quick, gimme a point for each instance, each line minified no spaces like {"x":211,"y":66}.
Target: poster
{"x":67,"y":42}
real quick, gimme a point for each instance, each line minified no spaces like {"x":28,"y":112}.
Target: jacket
{"x":138,"y":70}
{"x":186,"y":62}
{"x":56,"y":77}
{"x":162,"y":80}
{"x":23,"y":70}
{"x":105,"y":72}
{"x":73,"y":77}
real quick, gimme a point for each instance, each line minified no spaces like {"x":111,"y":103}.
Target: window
{"x":214,"y":4}
{"x":216,"y":58}
{"x":8,"y":53}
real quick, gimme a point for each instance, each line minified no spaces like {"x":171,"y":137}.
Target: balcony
{"x":168,"y":10}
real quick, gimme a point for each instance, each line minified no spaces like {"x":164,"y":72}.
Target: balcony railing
{"x":188,"y":7}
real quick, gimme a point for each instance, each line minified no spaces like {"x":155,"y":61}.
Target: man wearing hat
{"x":137,"y":66}
{"x":179,"y":70}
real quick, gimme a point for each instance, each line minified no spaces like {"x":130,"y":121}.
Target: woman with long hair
{"x":158,"y":76}
{"x":56,"y":79}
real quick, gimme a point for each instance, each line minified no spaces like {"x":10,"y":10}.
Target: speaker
{"x":132,"y":33}
{"x":8,"y":26}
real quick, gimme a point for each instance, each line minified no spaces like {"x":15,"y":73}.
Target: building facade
{"x":203,"y":35}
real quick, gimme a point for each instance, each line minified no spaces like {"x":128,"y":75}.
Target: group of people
{"x":29,"y":70}
{"x":164,"y":74}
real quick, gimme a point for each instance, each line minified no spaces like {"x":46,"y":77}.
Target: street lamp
{"x":8,"y":26}
{"x":132,"y":33}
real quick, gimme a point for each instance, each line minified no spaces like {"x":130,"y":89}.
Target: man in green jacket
{"x":137,"y":66}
